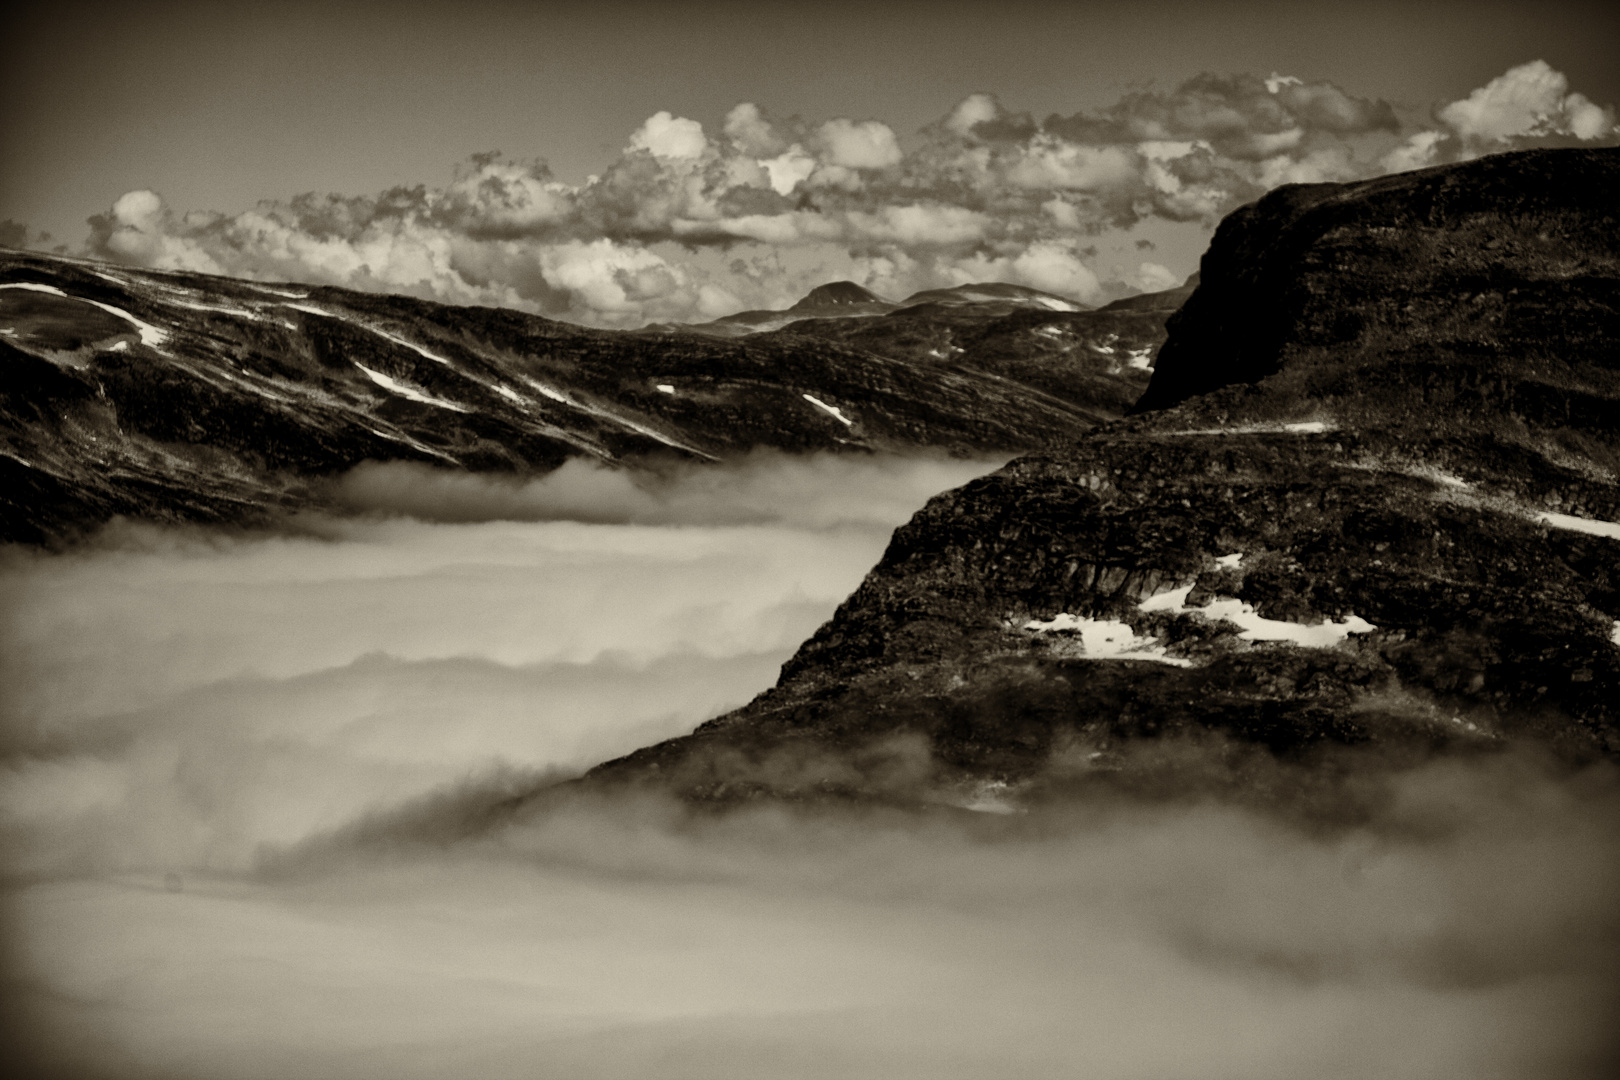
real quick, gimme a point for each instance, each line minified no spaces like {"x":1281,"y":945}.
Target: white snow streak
{"x":1232,"y":561}
{"x":1577,"y":524}
{"x":830,"y":410}
{"x":150,"y":335}
{"x":640,"y":429}
{"x":410,"y":392}
{"x":239,"y":312}
{"x":1310,"y":427}
{"x":397,"y":340}
{"x":665,"y":388}
{"x":546,"y":391}
{"x":275,"y":292}
{"x":1139,"y":359}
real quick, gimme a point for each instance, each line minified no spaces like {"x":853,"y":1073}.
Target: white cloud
{"x":789,"y":168}
{"x":670,"y":137}
{"x":868,"y":144}
{"x":1055,"y":164}
{"x":747,"y":126}
{"x":1531,"y":99}
{"x":1056,"y":268}
{"x":980,"y":188}
{"x":1151,"y":277}
{"x":1418,"y":151}
{"x":971,"y":111}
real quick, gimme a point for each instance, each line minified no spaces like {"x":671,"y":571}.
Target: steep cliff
{"x":1367,"y":506}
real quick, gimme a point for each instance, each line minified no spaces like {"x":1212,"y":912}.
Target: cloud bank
{"x":234,"y":839}
{"x":689,"y":224}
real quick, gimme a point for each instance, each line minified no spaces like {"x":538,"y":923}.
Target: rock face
{"x":1366,"y":507}
{"x":183,"y":397}
{"x":1505,"y":266}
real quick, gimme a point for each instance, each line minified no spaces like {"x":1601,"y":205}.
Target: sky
{"x":619,"y":163}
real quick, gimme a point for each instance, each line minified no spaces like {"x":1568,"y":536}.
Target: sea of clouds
{"x":238,"y":838}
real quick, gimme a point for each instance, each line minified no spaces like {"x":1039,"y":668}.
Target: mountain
{"x":1366,"y":513}
{"x":994,"y":293}
{"x":184,"y":397}
{"x":847,"y":300}
{"x":834,"y":300}
{"x":1097,"y":360}
{"x":1168,"y":300}
{"x":839,"y":294}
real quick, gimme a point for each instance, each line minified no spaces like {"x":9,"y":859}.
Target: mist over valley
{"x":816,"y":587}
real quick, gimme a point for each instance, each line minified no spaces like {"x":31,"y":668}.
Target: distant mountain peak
{"x":994,"y":292}
{"x":837,"y":294}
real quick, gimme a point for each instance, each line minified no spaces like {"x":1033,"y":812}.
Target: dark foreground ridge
{"x":181,"y":397}
{"x":1386,"y":529}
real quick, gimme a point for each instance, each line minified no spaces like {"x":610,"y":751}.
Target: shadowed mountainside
{"x":182,"y":397}
{"x":1387,"y":529}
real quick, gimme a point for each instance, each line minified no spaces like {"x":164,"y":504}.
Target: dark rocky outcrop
{"x":1388,"y":419}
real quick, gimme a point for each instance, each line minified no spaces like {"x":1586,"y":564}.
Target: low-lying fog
{"x":193,"y":723}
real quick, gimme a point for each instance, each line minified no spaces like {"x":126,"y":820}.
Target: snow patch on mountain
{"x":407,"y":391}
{"x":291,"y":294}
{"x":150,"y":335}
{"x":623,"y":421}
{"x":397,"y":340}
{"x":830,"y":410}
{"x":1323,"y":635}
{"x":1106,"y":639}
{"x":1590,"y":526}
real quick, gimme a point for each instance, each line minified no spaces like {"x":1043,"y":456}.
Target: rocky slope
{"x":183,"y":397}
{"x":1096,"y":360}
{"x":1367,"y":508}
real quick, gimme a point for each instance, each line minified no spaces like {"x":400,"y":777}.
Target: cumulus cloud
{"x":983,"y":189}
{"x":869,"y":144}
{"x":1531,"y":99}
{"x":1522,"y":107}
{"x":669,"y":136}
{"x":1151,"y":277}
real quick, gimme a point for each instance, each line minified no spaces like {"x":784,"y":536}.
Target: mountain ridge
{"x":174,"y":396}
{"x":1370,"y":548}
